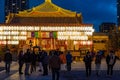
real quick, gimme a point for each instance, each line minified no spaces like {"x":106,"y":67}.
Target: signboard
{"x":45,"y":35}
{"x":36,"y":34}
{"x":53,"y":34}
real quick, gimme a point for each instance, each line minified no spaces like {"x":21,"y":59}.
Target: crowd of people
{"x":45,"y":61}
{"x":54,"y":60}
{"x":110,"y":61}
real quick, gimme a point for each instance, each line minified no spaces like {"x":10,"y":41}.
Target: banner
{"x":36,"y":34}
{"x":45,"y":35}
{"x":54,"y":34}
{"x":32,"y":34}
{"x":51,"y":34}
{"x":29,"y":34}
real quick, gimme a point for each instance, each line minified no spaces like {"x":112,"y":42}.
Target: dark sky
{"x":1,"y":11}
{"x":93,"y":11}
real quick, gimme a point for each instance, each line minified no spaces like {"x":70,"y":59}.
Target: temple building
{"x":48,"y":26}
{"x":45,"y":13}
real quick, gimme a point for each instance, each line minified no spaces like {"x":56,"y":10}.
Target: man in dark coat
{"x":7,"y":60}
{"x":40,"y":59}
{"x":33,"y":61}
{"x":98,"y":59}
{"x":27,"y":59}
{"x":54,"y":63}
{"x":21,"y":61}
{"x":88,"y":59}
{"x":110,"y":60}
{"x":68,"y":60}
{"x":45,"y":63}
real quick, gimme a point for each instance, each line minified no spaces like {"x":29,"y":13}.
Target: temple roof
{"x":47,"y":9}
{"x":46,"y":12}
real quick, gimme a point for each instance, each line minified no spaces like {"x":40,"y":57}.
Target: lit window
{"x":13,"y":4}
{"x":23,"y":1}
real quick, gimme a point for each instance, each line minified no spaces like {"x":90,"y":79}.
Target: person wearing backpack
{"x":98,"y":58}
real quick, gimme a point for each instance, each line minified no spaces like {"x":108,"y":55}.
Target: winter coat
{"x":98,"y":59}
{"x":45,"y":58}
{"x":55,"y":62}
{"x":40,"y":56}
{"x":62,"y":58}
{"x":108,"y":58}
{"x":33,"y":58}
{"x":69,"y":58}
{"x":21,"y":58}
{"x":8,"y":57}
{"x":27,"y":57}
{"x":87,"y":59}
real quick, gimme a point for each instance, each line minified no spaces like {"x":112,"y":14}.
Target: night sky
{"x":93,"y":11}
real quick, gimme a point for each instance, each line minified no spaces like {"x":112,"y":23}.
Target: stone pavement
{"x":2,"y":65}
{"x":77,"y":73}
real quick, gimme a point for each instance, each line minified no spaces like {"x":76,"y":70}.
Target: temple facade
{"x":48,"y":26}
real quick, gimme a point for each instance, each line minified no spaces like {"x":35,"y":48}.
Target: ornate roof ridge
{"x":47,"y":7}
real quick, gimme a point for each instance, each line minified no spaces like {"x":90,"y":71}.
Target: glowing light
{"x":13,"y":42}
{"x":23,"y":33}
{"x":72,"y":37}
{"x":77,"y":28}
{"x":75,"y":42}
{"x":69,"y":33}
{"x":15,"y":33}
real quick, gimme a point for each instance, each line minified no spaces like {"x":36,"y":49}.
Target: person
{"x":92,"y":53}
{"x":98,"y":58}
{"x":63,"y":60}
{"x":40,"y":58}
{"x":88,"y":60}
{"x":45,"y":63}
{"x":27,"y":59}
{"x":51,"y":53}
{"x":21,"y":61}
{"x":68,"y":60}
{"x":54,"y":63}
{"x":110,"y":60}
{"x":33,"y":61}
{"x":7,"y":60}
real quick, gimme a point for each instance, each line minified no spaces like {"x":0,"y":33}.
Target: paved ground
{"x":2,"y":68}
{"x":77,"y":73}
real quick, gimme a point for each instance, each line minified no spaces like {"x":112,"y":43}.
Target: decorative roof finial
{"x":48,"y":1}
